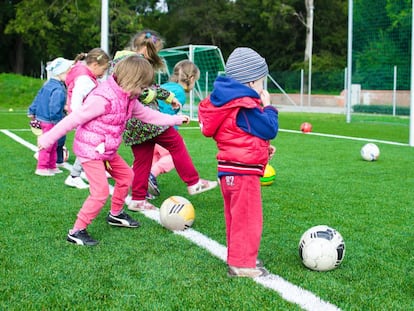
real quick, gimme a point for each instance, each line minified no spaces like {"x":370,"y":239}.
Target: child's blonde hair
{"x":132,"y":72}
{"x":183,"y":72}
{"x":96,"y":55}
{"x":153,"y":42}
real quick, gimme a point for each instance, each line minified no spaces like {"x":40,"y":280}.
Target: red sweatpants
{"x":143,"y":153}
{"x":244,"y":218}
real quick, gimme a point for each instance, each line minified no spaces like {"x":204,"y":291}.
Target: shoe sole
{"x":75,"y":186}
{"x":263,"y":272}
{"x":80,"y":242}
{"x":136,"y":209}
{"x":45,"y":174}
{"x":122,"y":225}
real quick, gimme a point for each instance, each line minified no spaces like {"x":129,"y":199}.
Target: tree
{"x":42,"y":30}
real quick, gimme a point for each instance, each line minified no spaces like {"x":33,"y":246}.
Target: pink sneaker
{"x":202,"y":186}
{"x":140,"y":205}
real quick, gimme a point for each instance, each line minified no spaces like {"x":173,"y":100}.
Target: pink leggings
{"x":47,"y":157}
{"x":95,"y":171}
{"x":244,"y":219}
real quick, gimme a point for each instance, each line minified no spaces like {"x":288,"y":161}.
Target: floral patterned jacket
{"x":136,"y":131}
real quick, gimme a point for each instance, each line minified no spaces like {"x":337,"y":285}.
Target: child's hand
{"x":31,"y":116}
{"x":272,"y":151}
{"x":175,"y":104}
{"x":39,"y":145}
{"x":265,"y":97}
{"x":186,"y":119}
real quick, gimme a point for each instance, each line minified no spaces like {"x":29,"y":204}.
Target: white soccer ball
{"x":370,"y":152}
{"x":321,"y":248}
{"x":177,"y":213}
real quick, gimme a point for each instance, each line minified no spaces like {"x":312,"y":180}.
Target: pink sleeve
{"x":152,"y":116}
{"x":93,"y":107}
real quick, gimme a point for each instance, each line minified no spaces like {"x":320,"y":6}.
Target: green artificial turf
{"x":319,"y":180}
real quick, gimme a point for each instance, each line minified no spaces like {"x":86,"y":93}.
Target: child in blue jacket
{"x":48,"y":109}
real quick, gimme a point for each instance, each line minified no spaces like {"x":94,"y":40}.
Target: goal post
{"x":208,"y":59}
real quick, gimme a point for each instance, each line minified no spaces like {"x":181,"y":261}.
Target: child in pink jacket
{"x":99,"y":124}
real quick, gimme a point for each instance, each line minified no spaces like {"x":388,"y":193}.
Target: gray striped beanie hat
{"x":246,"y":65}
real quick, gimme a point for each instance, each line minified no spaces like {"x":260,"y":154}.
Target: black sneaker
{"x":153,"y":185}
{"x":81,"y":237}
{"x":122,"y":220}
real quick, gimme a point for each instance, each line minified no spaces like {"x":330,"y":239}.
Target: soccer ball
{"x":66,"y":154}
{"x":321,"y":248}
{"x":370,"y":152}
{"x":269,"y":176}
{"x":306,"y":127}
{"x":177,"y":213}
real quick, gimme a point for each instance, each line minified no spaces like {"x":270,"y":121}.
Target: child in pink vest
{"x":99,"y":124}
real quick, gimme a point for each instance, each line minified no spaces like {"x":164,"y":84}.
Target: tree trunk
{"x":19,"y":56}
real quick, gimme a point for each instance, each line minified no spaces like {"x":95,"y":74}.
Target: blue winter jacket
{"x":49,"y":102}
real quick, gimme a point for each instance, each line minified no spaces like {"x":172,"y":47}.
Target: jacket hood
{"x":227,"y":89}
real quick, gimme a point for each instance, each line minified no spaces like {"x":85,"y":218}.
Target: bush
{"x":380,"y":109}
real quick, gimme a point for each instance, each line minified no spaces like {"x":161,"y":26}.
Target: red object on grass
{"x":306,"y":127}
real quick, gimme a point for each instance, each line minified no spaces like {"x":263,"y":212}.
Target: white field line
{"x":288,"y":291}
{"x":347,"y":137}
{"x":326,"y":135}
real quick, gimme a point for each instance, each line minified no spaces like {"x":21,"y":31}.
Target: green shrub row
{"x":381,"y":109}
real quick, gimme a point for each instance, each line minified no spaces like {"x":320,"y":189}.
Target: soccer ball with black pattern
{"x":177,"y":213}
{"x":370,"y":152}
{"x":321,"y":248}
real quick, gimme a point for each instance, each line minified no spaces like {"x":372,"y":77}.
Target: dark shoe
{"x":81,"y":237}
{"x":153,"y":185}
{"x":122,"y":220}
{"x":150,"y":196}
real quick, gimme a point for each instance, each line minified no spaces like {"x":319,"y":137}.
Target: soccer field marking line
{"x":328,"y":135}
{"x":288,"y":291}
{"x":346,"y":137}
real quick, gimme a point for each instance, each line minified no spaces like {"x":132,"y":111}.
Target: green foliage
{"x":37,"y":31}
{"x":381,"y":40}
{"x":381,"y":109}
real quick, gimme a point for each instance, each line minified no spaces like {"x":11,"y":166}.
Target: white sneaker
{"x":247,"y":272}
{"x":55,"y":171}
{"x":76,"y":182}
{"x":202,"y":186}
{"x":43,"y":172}
{"x":140,"y":205}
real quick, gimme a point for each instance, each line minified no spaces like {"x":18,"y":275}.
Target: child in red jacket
{"x":239,"y":117}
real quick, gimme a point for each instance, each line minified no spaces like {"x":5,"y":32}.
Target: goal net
{"x":208,"y":59}
{"x":381,"y":43}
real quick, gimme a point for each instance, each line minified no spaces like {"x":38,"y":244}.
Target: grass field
{"x":321,"y":179}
